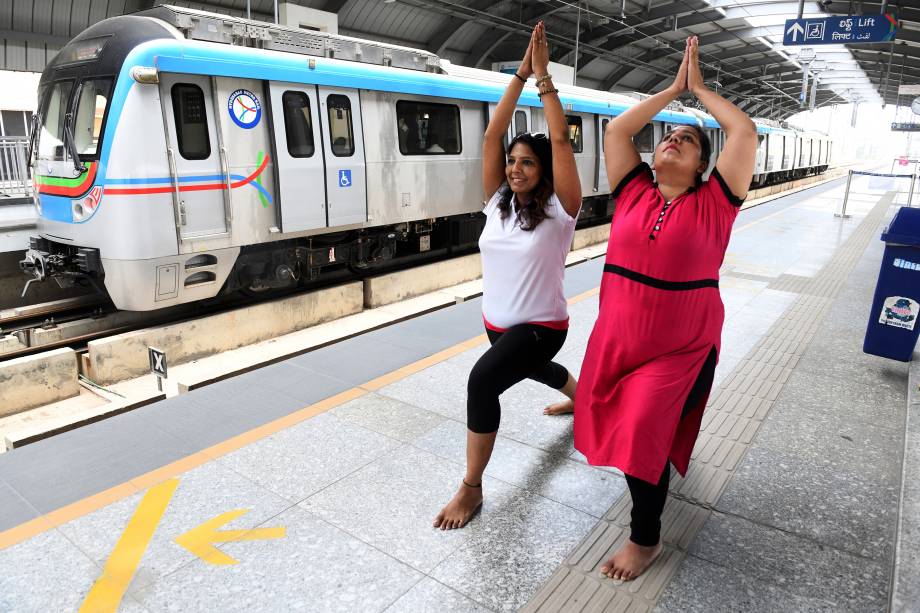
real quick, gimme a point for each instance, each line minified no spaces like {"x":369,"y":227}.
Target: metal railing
{"x":15,"y":179}
{"x":846,"y":193}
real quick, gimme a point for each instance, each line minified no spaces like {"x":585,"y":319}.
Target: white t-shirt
{"x":522,"y":271}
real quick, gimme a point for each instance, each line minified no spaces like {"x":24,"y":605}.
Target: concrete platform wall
{"x":37,"y":380}
{"x":125,"y":356}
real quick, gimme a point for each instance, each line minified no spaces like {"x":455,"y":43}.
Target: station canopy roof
{"x":633,"y":45}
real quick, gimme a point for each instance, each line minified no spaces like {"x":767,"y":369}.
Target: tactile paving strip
{"x":734,"y":414}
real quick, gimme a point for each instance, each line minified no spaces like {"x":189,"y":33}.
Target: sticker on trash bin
{"x":900,"y":312}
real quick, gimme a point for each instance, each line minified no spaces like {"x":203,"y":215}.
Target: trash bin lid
{"x":904,"y":229}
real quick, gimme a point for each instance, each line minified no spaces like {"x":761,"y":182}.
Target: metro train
{"x":180,"y":154}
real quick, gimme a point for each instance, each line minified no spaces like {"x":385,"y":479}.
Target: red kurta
{"x":660,"y":317}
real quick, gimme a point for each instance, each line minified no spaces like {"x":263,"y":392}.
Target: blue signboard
{"x":840,"y":30}
{"x":345,"y":178}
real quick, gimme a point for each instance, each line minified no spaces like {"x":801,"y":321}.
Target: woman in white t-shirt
{"x":534,"y":198}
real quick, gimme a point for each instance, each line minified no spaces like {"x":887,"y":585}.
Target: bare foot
{"x":560,"y":408}
{"x":461,"y":508}
{"x":630,"y":561}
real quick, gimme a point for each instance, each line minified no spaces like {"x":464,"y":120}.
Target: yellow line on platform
{"x":156,"y":477}
{"x":109,"y":589}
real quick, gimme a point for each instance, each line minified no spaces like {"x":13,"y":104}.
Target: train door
{"x":194,"y":157}
{"x":343,"y":150}
{"x":521,"y":122}
{"x":299,"y":152}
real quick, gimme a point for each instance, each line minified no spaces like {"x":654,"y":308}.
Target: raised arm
{"x":493,"y":151}
{"x":736,"y":161}
{"x":565,"y":174}
{"x":620,"y":154}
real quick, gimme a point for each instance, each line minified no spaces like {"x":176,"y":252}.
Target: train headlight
{"x":85,"y":207}
{"x":145,"y":74}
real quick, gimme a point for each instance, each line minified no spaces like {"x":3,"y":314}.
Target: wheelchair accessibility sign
{"x":345,"y":178}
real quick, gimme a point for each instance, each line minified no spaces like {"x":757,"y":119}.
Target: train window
{"x":54,"y":108}
{"x":427,"y":128}
{"x":298,"y":125}
{"x":520,"y":122}
{"x":645,"y":139}
{"x":13,"y":123}
{"x":191,"y":121}
{"x":94,"y":99}
{"x":575,"y":135}
{"x":340,"y":130}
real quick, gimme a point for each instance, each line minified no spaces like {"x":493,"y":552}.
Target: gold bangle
{"x":544,"y":79}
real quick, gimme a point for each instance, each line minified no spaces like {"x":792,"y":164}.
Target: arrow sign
{"x":840,"y":30}
{"x":199,"y":540}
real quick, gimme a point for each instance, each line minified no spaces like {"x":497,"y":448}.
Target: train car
{"x":181,"y":154}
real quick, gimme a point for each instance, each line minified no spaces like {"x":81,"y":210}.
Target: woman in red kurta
{"x":650,"y":360}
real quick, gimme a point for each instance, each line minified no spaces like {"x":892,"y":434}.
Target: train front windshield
{"x":62,"y":137}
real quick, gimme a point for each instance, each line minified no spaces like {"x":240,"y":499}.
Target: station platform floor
{"x":311,"y":484}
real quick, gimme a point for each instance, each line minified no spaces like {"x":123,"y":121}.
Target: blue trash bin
{"x":893,"y":321}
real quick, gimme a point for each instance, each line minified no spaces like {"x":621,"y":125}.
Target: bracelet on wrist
{"x":544,"y":78}
{"x":547,"y":91}
{"x":523,"y":80}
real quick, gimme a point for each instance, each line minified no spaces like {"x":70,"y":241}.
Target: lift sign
{"x":900,"y":312}
{"x":244,"y":108}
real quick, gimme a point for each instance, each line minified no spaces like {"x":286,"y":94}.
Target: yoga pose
{"x":534,"y":196}
{"x":649,"y":364}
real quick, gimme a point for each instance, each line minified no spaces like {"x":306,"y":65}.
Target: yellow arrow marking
{"x":198,"y":540}
{"x":107,"y":592}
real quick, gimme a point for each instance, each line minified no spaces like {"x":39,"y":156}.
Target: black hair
{"x":533,"y":212}
{"x":705,"y":146}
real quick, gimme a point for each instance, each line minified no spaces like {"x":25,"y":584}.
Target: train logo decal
{"x":91,"y":201}
{"x":244,"y":108}
{"x":345,"y":178}
{"x":900,"y":312}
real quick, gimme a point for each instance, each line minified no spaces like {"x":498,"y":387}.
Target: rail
{"x":15,"y":181}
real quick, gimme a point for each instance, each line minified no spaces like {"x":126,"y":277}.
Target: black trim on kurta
{"x":732,"y":198}
{"x":660,"y":283}
{"x":632,"y":174}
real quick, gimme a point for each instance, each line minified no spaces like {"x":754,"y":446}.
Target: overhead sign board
{"x":840,"y":30}
{"x":904,"y":126}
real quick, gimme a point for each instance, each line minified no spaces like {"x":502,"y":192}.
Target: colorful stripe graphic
{"x":214,"y":182}
{"x":72,"y":188}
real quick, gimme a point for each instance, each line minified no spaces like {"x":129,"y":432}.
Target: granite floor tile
{"x":554,"y":476}
{"x":523,"y":419}
{"x":842,"y":358}
{"x":45,"y":573}
{"x":391,"y":505}
{"x":305,"y":458}
{"x":505,"y":564}
{"x":440,"y":388}
{"x":315,"y":567}
{"x":844,"y":510}
{"x":202,"y":494}
{"x":827,"y":398}
{"x":428,"y":596}
{"x":703,"y":587}
{"x":389,"y":417}
{"x":801,"y":567}
{"x":833,"y":441}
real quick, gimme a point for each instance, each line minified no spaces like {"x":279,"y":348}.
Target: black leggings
{"x":648,"y":499}
{"x":521,"y":352}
